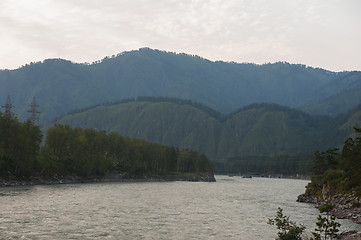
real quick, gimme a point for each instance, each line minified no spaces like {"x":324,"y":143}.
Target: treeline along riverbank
{"x":86,"y":155}
{"x":337,"y":180}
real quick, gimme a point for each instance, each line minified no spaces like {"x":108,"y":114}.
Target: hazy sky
{"x":322,"y":33}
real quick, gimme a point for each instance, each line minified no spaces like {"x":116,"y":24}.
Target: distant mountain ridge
{"x":254,"y":130}
{"x":61,"y":86}
{"x":343,"y":93}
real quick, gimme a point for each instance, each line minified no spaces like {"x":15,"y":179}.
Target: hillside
{"x":343,"y":93}
{"x":255,"y":130}
{"x":61,"y":86}
{"x":350,"y":120}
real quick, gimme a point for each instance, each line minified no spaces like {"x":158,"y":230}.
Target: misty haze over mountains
{"x":61,"y":86}
{"x":277,"y":114}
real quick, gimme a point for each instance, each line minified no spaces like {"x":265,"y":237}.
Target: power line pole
{"x":8,"y":106}
{"x":34,"y":113}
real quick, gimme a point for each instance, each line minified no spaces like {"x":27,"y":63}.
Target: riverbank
{"x":110,"y":177}
{"x":350,"y":235}
{"x":346,"y":206}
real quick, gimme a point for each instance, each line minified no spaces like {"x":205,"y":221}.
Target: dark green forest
{"x":233,"y":116}
{"x":257,"y":131}
{"x":263,"y":138}
{"x":87,"y":153}
{"x":337,"y":171}
{"x":61,"y":86}
{"x":19,"y":146}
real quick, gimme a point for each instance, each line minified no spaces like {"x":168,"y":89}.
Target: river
{"x":231,"y":208}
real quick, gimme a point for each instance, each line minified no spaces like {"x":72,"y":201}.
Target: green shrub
{"x":288,"y":230}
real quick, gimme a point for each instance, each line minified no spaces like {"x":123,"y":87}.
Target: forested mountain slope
{"x":350,"y":120}
{"x":61,"y":86}
{"x":255,"y":130}
{"x":343,"y":94}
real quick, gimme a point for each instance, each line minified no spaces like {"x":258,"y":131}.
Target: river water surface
{"x":231,"y":208}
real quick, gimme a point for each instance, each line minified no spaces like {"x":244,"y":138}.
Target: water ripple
{"x":231,"y":208}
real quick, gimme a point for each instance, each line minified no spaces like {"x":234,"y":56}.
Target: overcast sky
{"x":322,"y":33}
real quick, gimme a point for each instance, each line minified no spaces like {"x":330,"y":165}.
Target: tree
{"x":288,"y":230}
{"x":325,"y":160}
{"x":327,"y":227}
{"x":19,"y":146}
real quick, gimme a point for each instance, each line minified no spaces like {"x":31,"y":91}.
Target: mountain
{"x":340,"y":95}
{"x":254,"y":130}
{"x":61,"y":86}
{"x":351,"y":119}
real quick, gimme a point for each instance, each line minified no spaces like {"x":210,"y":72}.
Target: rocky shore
{"x":350,"y":235}
{"x":346,"y":206}
{"x":111,"y":177}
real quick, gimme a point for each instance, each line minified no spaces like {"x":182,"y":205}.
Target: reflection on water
{"x":231,"y":208}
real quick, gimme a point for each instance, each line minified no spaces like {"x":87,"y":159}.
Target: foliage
{"x":327,"y":227}
{"x":261,"y":130}
{"x":87,"y":153}
{"x":288,"y":230}
{"x":264,"y":133}
{"x":19,"y":146}
{"x":325,"y":160}
{"x":340,"y":173}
